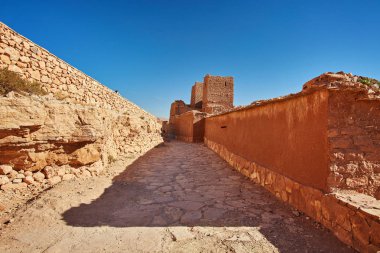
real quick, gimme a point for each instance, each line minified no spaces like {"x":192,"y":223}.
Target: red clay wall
{"x":353,"y":218}
{"x":197,"y":95}
{"x":288,"y":137}
{"x":292,"y":146}
{"x":189,"y":126}
{"x":177,"y":107}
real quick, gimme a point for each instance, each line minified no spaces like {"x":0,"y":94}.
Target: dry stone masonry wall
{"x":76,"y":130}
{"x":354,"y":138}
{"x":35,"y":63}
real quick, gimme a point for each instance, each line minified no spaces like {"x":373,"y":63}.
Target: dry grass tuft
{"x":11,"y":81}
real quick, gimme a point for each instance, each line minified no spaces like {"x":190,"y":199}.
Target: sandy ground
{"x":179,"y":197}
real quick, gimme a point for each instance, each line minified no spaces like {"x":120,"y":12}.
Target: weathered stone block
{"x":5,"y":169}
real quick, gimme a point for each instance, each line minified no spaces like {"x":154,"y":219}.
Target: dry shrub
{"x":371,"y":82}
{"x":11,"y":81}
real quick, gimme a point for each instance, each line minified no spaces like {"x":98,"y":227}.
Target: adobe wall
{"x":176,"y":108}
{"x":190,"y":126}
{"x":197,"y":95}
{"x":35,"y":63}
{"x":354,"y":140}
{"x":218,"y":94}
{"x":288,"y":136}
{"x":295,"y":146}
{"x":353,"y":218}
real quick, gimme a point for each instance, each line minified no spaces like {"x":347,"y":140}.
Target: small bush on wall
{"x":11,"y":81}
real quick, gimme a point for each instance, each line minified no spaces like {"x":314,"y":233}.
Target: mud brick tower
{"x":218,"y":94}
{"x":197,"y":95}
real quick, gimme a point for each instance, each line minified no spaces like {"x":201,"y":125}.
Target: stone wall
{"x":35,"y":63}
{"x":197,"y":95}
{"x":218,"y":94}
{"x":354,"y":140}
{"x":78,"y":128}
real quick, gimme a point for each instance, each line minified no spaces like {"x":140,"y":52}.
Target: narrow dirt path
{"x":179,"y":197}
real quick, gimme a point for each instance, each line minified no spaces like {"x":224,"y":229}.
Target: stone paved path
{"x":179,"y":197}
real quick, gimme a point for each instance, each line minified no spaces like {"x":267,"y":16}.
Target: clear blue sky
{"x":153,"y":51}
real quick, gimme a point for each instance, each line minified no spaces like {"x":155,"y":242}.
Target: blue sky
{"x":153,"y":51}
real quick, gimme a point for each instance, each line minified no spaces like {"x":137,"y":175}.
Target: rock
{"x":45,"y":79}
{"x":35,"y":74}
{"x":33,"y":121}
{"x":28,"y":173}
{"x":13,"y":54}
{"x":41,"y":131}
{"x":28,"y":180}
{"x":181,"y":233}
{"x":5,"y":59}
{"x":15,"y":68}
{"x":35,"y":50}
{"x":12,"y":175}
{"x":86,"y":155}
{"x":39,"y":177}
{"x":42,"y":64}
{"x":54,"y":180}
{"x":17,"y":180}
{"x":50,"y":172}
{"x":95,"y":168}
{"x":10,"y":186}
{"x":20,"y":176}
{"x":4,"y":180}
{"x":5,"y":169}
{"x":68,"y":177}
{"x":61,"y":171}
{"x":85,"y":174}
{"x":24,"y":59}
{"x":357,"y":181}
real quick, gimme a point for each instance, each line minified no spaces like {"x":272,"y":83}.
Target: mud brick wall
{"x":218,"y":93}
{"x":197,"y":95}
{"x":354,"y":139}
{"x":354,"y":219}
{"x":287,"y":136}
{"x":57,"y":77}
{"x":303,"y":148}
{"x":190,"y":126}
{"x":177,"y":107}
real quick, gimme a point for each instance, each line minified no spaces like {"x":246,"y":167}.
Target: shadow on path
{"x":182,"y":184}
